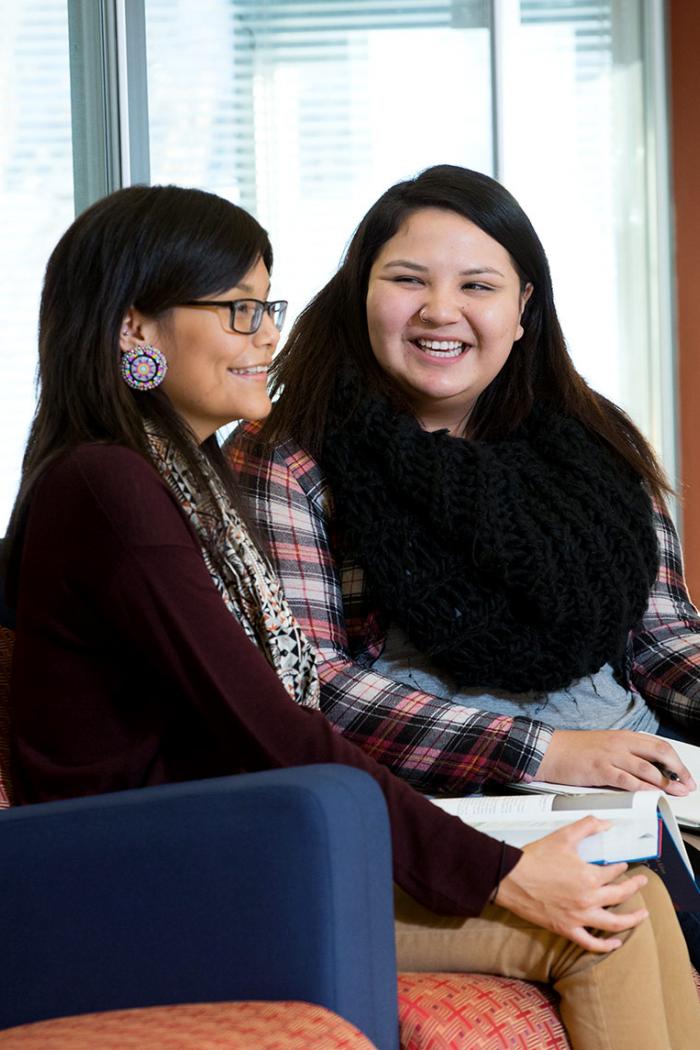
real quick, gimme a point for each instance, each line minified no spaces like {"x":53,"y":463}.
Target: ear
{"x":135,"y":329}
{"x":524,"y":296}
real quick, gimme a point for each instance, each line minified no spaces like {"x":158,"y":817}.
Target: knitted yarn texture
{"x":519,"y":565}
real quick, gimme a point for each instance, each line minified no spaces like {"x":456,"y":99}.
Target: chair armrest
{"x":271,"y":885}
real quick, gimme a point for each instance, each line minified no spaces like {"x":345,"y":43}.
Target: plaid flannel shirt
{"x":433,"y":744}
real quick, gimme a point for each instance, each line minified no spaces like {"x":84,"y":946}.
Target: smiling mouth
{"x":254,"y":370}
{"x":441,"y":348}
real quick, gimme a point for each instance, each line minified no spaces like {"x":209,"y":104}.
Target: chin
{"x":254,"y":413}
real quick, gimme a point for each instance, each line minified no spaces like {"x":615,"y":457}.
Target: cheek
{"x":501,"y":327}
{"x":386,"y":318}
{"x":234,"y":347}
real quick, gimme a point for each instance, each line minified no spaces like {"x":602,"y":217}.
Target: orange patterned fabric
{"x":436,"y":1011}
{"x":201,"y":1026}
{"x":7,"y":641}
{"x":450,"y":1011}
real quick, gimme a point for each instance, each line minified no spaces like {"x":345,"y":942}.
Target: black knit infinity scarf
{"x":518,"y":565}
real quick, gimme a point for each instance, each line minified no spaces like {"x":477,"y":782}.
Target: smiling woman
{"x":490,"y":533}
{"x":444,"y":304}
{"x":473,"y":537}
{"x":216,"y":372}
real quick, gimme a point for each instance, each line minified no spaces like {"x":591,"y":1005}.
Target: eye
{"x":477,"y":286}
{"x":407,"y":279}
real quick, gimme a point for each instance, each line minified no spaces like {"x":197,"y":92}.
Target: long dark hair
{"x":333,"y":327}
{"x":151,"y":247}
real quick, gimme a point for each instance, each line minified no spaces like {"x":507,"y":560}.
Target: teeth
{"x":254,"y":371}
{"x":441,"y":347}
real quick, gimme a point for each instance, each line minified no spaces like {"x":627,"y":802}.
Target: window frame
{"x":109,"y":97}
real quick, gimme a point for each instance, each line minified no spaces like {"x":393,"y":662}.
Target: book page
{"x":687,"y":810}
{"x":510,"y":808}
{"x":610,"y":805}
{"x":520,"y":819}
{"x":556,"y":809}
{"x":666,"y":809}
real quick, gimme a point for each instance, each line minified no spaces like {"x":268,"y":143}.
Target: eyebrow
{"x":408,"y":265}
{"x":249,"y":288}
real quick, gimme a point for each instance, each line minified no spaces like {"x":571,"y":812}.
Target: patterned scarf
{"x":250,"y":589}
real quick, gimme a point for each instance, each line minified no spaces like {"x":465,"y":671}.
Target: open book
{"x":644,"y":829}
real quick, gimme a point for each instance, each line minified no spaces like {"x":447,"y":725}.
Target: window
{"x":36,"y":203}
{"x":304,"y":111}
{"x":575,"y":152}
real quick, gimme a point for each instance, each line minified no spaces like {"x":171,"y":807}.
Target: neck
{"x":446,"y":418}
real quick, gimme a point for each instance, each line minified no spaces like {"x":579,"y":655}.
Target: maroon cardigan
{"x":129,"y":670}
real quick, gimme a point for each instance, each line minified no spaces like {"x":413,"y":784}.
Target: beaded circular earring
{"x":143,"y":367}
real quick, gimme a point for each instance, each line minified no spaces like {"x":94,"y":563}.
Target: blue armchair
{"x":271,"y":885}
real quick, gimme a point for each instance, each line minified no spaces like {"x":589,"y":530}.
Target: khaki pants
{"x":639,"y":997}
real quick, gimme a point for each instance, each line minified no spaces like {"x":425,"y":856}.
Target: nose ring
{"x":425,"y":320}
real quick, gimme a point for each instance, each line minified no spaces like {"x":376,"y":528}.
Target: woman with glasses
{"x":155,"y":644}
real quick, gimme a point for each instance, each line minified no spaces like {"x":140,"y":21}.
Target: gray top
{"x":594,"y":702}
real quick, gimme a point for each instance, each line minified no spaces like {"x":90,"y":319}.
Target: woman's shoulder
{"x":113,"y":484}
{"x":247,"y":438}
{"x":102,"y":467}
{"x":249,"y":455}
{"x":94,"y":455}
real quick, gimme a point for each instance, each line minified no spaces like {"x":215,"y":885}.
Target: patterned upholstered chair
{"x":436,"y":1011}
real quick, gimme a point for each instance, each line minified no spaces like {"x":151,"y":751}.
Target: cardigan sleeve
{"x":126,"y":549}
{"x":666,"y":646}
{"x":434,"y":745}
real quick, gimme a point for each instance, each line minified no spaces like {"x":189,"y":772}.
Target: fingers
{"x":587,"y":940}
{"x":563,"y":844}
{"x":617,"y":758}
{"x":606,"y":889}
{"x":565,"y":841}
{"x":662,"y":757}
{"x":651,"y":759}
{"x":673,"y":788}
{"x":647,"y":777}
{"x":572,"y":834}
{"x":616,"y":922}
{"x":617,"y":892}
{"x":593,"y":943}
{"x":604,"y":921}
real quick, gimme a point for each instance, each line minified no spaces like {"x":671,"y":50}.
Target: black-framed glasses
{"x":245,"y":315}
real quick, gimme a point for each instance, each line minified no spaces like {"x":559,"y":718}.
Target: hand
{"x":616,"y":758}
{"x":552,"y":887}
